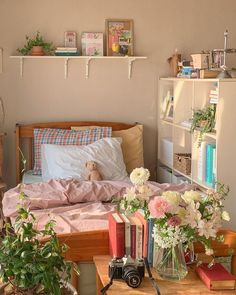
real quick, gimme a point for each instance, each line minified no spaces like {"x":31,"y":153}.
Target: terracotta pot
{"x":37,"y":51}
{"x":202,"y":123}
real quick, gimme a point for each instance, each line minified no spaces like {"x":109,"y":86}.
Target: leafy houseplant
{"x":47,"y":48}
{"x":30,"y":265}
{"x":203,"y":121}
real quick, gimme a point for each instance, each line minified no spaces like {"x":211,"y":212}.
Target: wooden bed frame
{"x":26,"y":132}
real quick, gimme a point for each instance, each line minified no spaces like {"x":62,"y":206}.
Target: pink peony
{"x":158,"y":206}
{"x":174,"y":221}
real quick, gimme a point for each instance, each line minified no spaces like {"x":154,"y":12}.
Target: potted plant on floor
{"x":30,"y":265}
{"x":203,"y":121}
{"x":37,"y":46}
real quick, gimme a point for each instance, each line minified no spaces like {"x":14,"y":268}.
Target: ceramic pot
{"x":37,"y":51}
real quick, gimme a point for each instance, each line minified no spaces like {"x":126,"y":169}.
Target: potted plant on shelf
{"x":37,"y":46}
{"x":203,"y":121}
{"x":30,"y":265}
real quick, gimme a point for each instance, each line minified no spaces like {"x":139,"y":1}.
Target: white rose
{"x":173,"y":197}
{"x":190,"y":196}
{"x":225,"y":216}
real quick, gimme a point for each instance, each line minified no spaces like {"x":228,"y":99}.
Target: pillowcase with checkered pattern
{"x":64,"y":137}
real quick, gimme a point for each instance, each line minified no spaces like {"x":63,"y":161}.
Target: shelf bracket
{"x":131,"y":60}
{"x":87,"y":67}
{"x":21,"y":67}
{"x":66,"y":68}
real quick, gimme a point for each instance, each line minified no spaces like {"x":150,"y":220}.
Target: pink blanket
{"x":75,"y":205}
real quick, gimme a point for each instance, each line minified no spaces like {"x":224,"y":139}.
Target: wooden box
{"x":182,"y":162}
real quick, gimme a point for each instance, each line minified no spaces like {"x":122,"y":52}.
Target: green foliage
{"x":48,"y":48}
{"x":29,"y":264}
{"x":206,"y":116}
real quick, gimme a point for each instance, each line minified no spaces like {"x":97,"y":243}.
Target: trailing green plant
{"x":48,"y":48}
{"x":29,"y":264}
{"x":203,"y":121}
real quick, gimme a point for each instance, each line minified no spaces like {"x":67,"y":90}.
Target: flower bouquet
{"x":179,"y":218}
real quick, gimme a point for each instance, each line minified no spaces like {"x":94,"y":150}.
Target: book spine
{"x":116,"y":237}
{"x":150,"y":241}
{"x":140,"y":216}
{"x":209,"y":164}
{"x":203,"y":277}
{"x":133,"y":241}
{"x":214,"y":167}
{"x":139,"y":243}
{"x":202,"y":161}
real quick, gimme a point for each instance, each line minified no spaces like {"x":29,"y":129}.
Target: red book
{"x":216,"y":277}
{"x":140,"y":216}
{"x":116,"y":235}
{"x":136,"y":241}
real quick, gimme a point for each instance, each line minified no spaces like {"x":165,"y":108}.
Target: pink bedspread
{"x":75,"y":205}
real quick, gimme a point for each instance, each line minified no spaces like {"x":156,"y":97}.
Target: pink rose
{"x":174,"y":221}
{"x":158,"y":206}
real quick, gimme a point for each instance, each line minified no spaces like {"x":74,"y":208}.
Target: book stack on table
{"x":67,"y":51}
{"x":131,"y":236}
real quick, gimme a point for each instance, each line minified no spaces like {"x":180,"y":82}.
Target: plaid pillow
{"x":65,"y":137}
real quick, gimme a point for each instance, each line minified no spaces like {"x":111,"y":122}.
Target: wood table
{"x":188,"y":286}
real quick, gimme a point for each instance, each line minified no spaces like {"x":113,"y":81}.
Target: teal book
{"x":67,"y":53}
{"x":209,"y":164}
{"x":150,"y":241}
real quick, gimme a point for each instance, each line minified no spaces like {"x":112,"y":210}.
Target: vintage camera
{"x":127,"y":269}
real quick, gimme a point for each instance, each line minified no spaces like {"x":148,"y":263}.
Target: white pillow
{"x":66,"y":161}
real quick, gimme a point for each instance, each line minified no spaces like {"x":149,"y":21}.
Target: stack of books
{"x":67,"y":51}
{"x":214,"y":95}
{"x":131,"y":236}
{"x":207,"y":163}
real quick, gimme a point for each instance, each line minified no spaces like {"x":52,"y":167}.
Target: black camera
{"x":127,"y":269}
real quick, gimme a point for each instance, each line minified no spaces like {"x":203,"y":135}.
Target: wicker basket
{"x":182,"y":163}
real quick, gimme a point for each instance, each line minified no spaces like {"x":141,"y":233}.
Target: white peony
{"x":139,"y":176}
{"x":225,"y":216}
{"x":144,"y":192}
{"x":190,"y":196}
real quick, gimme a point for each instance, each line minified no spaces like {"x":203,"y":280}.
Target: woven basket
{"x":182,"y":163}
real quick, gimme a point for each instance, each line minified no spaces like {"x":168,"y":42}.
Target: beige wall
{"x":43,"y":94}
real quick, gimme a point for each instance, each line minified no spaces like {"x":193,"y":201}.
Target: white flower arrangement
{"x":178,"y":218}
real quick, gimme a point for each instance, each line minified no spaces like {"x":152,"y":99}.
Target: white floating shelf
{"x":88,"y":59}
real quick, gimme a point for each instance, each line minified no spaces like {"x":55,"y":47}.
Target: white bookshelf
{"x":128,"y":59}
{"x":190,"y":94}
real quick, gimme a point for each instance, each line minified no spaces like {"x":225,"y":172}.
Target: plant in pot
{"x":37,"y":46}
{"x":31,"y":265}
{"x":203,"y":121}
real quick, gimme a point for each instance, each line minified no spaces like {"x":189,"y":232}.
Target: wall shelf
{"x":87,"y":59}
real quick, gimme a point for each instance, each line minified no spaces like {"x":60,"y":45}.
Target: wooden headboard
{"x":26,"y":132}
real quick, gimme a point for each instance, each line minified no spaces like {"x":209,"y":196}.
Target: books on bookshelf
{"x":216,"y":277}
{"x":131,"y":236}
{"x":92,"y":44}
{"x":206,"y":165}
{"x":214,"y":95}
{"x":67,"y":51}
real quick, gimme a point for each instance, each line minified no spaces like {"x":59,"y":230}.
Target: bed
{"x":86,"y":236}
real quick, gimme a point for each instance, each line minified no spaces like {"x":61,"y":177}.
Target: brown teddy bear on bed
{"x":94,"y":173}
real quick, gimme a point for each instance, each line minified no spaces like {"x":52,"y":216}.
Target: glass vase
{"x":170,"y":263}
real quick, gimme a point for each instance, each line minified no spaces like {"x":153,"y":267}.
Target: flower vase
{"x":170,"y":263}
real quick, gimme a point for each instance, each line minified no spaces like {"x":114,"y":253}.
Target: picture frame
{"x":169,"y":115}
{"x":70,"y":39}
{"x":92,"y":44}
{"x":119,"y":37}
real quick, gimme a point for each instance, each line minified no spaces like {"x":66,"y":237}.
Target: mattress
{"x":29,"y":177}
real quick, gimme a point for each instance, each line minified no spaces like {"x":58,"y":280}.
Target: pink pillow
{"x":65,"y":137}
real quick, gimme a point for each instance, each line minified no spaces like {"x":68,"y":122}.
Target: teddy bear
{"x":94,"y":174}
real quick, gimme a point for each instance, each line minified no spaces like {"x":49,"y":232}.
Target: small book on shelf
{"x":116,"y":235}
{"x":216,"y":277}
{"x":140,"y":215}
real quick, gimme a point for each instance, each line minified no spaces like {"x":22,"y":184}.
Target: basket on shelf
{"x":182,"y":163}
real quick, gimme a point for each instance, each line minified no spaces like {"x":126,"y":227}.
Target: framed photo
{"x":92,"y":44}
{"x":169,"y":115}
{"x":119,"y":37}
{"x":70,"y":39}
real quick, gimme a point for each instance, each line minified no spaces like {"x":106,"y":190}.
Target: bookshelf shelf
{"x":187,"y":95}
{"x":129,"y":59}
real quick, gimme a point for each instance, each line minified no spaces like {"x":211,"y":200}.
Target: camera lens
{"x":131,"y":276}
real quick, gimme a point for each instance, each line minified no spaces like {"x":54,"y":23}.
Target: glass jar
{"x":170,"y":263}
